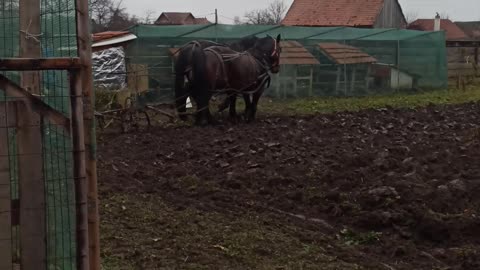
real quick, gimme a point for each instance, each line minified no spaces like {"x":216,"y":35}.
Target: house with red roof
{"x":472,"y":29}
{"x":462,"y":47}
{"x":452,"y":31}
{"x":352,"y":13}
{"x":179,"y":18}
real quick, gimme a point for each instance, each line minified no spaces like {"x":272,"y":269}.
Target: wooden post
{"x":85,"y":54}
{"x":367,"y":77}
{"x":310,"y":87}
{"x":476,"y":56}
{"x":352,"y":83}
{"x":30,"y":159}
{"x":295,"y":90}
{"x":79,"y":169}
{"x":7,"y":115}
{"x":339,"y":74}
{"x":277,"y":86}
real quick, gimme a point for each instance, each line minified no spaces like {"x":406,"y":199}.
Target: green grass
{"x":335,"y":104}
{"x":144,"y":232}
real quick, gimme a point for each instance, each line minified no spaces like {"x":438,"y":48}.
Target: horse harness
{"x":261,"y":80}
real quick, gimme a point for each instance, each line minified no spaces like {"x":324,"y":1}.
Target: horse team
{"x":204,"y":69}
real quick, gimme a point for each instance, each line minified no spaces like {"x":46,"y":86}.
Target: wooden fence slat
{"x":32,"y":228}
{"x":6,"y":116}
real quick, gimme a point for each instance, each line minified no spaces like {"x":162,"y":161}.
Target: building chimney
{"x":436,"y":25}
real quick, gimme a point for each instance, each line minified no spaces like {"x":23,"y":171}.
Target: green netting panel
{"x":9,"y":35}
{"x":398,"y":34}
{"x":419,"y":56}
{"x":348,"y":34}
{"x":154,"y":31}
{"x":386,"y":52}
{"x":222,"y":32}
{"x":297,"y":33}
{"x":57,"y":38}
{"x":425,"y":57}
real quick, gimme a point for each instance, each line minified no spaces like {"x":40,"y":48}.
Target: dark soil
{"x":377,"y":189}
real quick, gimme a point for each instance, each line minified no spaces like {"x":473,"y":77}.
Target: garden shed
{"x":297,"y":65}
{"x":348,"y":61}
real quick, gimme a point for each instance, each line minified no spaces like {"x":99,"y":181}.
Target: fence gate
{"x":48,"y":195}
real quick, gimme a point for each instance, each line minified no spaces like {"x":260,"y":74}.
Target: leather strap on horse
{"x":222,"y":64}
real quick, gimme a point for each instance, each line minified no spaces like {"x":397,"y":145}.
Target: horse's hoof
{"x":201,"y":123}
{"x":234,"y":119}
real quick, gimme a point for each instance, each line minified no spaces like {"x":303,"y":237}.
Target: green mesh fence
{"x":406,"y":60}
{"x":57,"y":38}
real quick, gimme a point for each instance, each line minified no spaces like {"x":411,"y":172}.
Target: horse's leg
{"x":233,"y":108}
{"x":181,"y":96}
{"x":248,"y":106}
{"x":203,"y":116}
{"x":253,"y":108}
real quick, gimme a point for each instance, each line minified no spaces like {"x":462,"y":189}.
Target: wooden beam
{"x":37,"y":105}
{"x":39,"y":64}
{"x":7,"y":115}
{"x":33,"y":232}
{"x":85,"y":53}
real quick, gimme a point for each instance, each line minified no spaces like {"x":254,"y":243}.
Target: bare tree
{"x":277,"y":10}
{"x":101,"y":11}
{"x":110,"y":15}
{"x":273,"y":14}
{"x":236,"y":20}
{"x":149,"y":17}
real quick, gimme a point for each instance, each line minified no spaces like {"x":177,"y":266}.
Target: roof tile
{"x":333,"y":12}
{"x":453,"y":32}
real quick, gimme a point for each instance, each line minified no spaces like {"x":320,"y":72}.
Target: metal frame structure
{"x":80,"y":127}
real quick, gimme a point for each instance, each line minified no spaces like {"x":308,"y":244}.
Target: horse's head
{"x":269,"y":49}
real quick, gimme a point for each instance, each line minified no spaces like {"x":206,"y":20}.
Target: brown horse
{"x":246,"y":74}
{"x":183,"y":63}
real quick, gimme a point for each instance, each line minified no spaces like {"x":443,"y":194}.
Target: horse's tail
{"x":181,"y":91}
{"x":199,"y":73}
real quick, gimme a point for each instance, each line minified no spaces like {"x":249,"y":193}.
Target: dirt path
{"x":378,"y":189}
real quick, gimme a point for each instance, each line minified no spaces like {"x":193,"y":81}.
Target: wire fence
{"x":37,"y":204}
{"x":403,"y":60}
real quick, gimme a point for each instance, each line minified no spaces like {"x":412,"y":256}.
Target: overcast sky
{"x":458,"y":10}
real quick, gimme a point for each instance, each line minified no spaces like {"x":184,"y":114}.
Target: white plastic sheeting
{"x":109,"y":68}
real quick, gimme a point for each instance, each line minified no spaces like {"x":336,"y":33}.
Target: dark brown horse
{"x":183,"y":65}
{"x":219,"y":69}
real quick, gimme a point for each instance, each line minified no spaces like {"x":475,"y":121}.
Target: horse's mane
{"x":244,"y":43}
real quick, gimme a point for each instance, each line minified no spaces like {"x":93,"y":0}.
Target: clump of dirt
{"x":376,"y":189}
